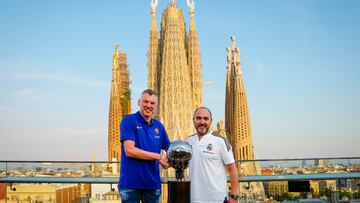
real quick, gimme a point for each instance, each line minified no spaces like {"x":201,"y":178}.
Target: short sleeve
{"x":166,"y":140}
{"x":127,"y":129}
{"x":226,"y":152}
{"x":189,"y":140}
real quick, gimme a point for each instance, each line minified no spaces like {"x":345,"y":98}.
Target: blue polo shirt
{"x":152,"y":137}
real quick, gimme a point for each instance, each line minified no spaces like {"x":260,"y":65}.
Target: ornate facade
{"x":120,"y":102}
{"x":174,"y":69}
{"x":237,"y":120}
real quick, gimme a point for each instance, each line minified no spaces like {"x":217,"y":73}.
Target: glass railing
{"x":311,"y":179}
{"x":249,"y":170}
{"x":320,"y":179}
{"x":59,"y":171}
{"x":298,"y":169}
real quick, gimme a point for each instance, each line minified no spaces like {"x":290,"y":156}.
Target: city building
{"x":267,"y":172}
{"x":30,"y":193}
{"x":67,"y":193}
{"x":322,"y":162}
{"x":2,"y":191}
{"x":109,"y":197}
{"x":45,"y":193}
{"x":314,"y":187}
{"x":278,"y":187}
{"x":327,"y":185}
{"x":104,"y":193}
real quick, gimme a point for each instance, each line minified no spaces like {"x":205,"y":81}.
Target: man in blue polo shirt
{"x":142,"y":138}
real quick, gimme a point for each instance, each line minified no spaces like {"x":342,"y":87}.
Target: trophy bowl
{"x":179,"y":155}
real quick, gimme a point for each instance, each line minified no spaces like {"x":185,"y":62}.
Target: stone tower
{"x":237,"y":118}
{"x":174,"y":69}
{"x":237,"y":121}
{"x":120,"y":102}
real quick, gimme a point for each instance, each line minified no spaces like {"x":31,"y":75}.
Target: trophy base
{"x":178,"y":191}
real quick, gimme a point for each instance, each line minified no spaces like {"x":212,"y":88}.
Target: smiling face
{"x":202,"y":121}
{"x":147,"y":104}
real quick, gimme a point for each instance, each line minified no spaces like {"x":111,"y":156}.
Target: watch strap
{"x":236,"y":197}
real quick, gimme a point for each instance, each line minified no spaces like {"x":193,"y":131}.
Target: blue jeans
{"x":135,"y":195}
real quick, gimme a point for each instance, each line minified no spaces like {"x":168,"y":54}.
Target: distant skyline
{"x":300,"y":62}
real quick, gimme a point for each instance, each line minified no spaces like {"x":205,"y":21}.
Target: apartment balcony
{"x":265,"y":180}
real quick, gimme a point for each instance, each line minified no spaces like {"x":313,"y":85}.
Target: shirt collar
{"x":142,"y":119}
{"x":205,"y":136}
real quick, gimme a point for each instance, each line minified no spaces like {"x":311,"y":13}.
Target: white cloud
{"x":58,"y":77}
{"x":257,"y":66}
{"x":208,"y":82}
{"x":25,"y":93}
{"x":5,"y":110}
{"x":76,"y":132}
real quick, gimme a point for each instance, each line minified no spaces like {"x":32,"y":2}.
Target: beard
{"x":202,"y":129}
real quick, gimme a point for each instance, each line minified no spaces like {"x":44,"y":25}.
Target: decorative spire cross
{"x":117,"y":49}
{"x":154,"y":4}
{"x":233,"y":43}
{"x":172,"y":2}
{"x":191,"y":5}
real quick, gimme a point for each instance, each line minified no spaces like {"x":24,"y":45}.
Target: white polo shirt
{"x":208,"y":174}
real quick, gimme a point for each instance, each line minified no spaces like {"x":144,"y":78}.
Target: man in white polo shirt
{"x":212,"y":158}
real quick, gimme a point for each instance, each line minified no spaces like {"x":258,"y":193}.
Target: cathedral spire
{"x":237,"y":123}
{"x":153,"y":49}
{"x":194,"y":59}
{"x":119,"y":102}
{"x":237,"y":111}
{"x":174,"y":78}
{"x":175,"y":69}
{"x":228,"y":97}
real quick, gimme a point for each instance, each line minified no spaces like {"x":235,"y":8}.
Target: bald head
{"x":203,"y":108}
{"x":202,"y":120}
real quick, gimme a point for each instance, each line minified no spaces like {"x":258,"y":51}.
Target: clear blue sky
{"x":301,"y":64}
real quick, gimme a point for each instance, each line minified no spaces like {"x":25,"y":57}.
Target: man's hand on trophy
{"x":164,"y":162}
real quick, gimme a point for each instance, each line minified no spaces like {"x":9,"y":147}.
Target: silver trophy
{"x":179,"y":155}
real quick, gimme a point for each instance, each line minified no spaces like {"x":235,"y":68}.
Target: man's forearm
{"x":134,"y":152}
{"x":142,"y":154}
{"x":234,"y":183}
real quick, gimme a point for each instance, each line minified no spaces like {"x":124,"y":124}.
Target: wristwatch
{"x":235,"y":197}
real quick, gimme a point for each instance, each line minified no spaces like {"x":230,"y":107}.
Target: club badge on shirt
{"x":209,"y":147}
{"x":157,"y":136}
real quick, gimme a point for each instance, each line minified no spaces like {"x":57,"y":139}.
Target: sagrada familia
{"x":174,"y":72}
